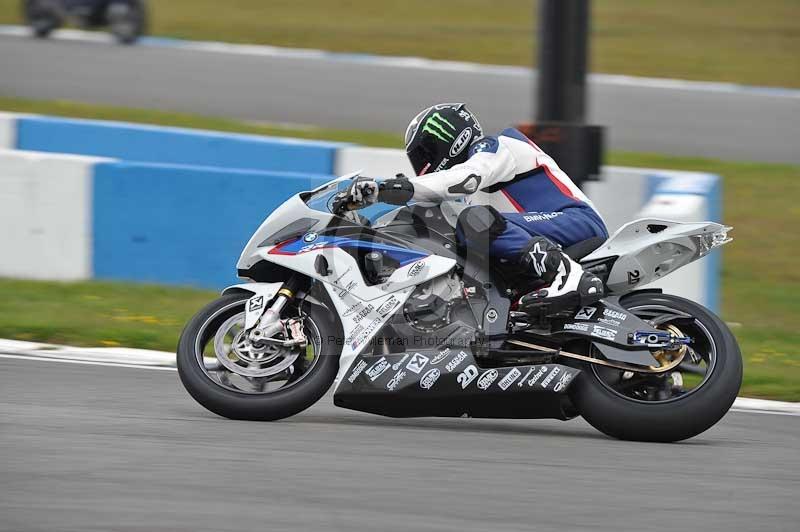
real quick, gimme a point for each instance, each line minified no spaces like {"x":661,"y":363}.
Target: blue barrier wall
{"x":178,"y":224}
{"x":136,"y":142}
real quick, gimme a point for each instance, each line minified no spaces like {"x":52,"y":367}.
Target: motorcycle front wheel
{"x":228,"y":375}
{"x":678,"y":404}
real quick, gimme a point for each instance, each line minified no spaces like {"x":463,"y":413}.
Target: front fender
{"x":262,"y":294}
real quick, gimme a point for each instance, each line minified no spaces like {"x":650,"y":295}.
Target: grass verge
{"x":725,"y":40}
{"x":760,"y":283}
{"x":100,"y":314}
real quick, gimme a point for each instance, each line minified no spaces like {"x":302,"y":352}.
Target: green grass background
{"x":753,"y":42}
{"x":760,"y":279}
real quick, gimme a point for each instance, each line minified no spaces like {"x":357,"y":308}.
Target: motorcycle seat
{"x":581,"y":249}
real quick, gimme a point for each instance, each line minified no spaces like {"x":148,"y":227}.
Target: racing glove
{"x":397,"y":190}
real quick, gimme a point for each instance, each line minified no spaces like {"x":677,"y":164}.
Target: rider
{"x":522,"y":206}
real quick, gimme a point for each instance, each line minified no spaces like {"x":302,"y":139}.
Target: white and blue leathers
{"x":512,"y":174}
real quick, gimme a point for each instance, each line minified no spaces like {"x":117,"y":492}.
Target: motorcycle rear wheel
{"x":238,"y":394}
{"x":627,"y":413}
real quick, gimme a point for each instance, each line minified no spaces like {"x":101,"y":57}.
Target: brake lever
{"x":339,"y":205}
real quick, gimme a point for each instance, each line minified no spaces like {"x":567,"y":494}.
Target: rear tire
{"x":679,"y":418}
{"x":270,"y":406}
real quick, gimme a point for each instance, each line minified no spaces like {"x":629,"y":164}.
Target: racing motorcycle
{"x":386,"y":305}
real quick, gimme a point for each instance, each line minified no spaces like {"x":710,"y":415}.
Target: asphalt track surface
{"x":356,"y":93}
{"x":87,"y":448}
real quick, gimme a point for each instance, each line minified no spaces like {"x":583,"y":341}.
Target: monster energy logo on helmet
{"x":440,"y":127}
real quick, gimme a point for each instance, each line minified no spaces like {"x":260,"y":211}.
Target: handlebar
{"x":341,"y":202}
{"x":396,"y":191}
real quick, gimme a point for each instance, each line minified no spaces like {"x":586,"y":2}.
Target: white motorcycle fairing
{"x":648,"y":249}
{"x":258,"y":302}
{"x":287,"y":238}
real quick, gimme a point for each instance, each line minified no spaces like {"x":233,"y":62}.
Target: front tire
{"x":665,"y":419}
{"x":222,"y":396}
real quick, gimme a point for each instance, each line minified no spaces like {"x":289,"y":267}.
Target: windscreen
{"x":322,"y":198}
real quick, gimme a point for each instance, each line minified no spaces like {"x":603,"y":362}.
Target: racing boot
{"x":569,"y":287}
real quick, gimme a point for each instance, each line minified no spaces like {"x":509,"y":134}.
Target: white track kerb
{"x":160,"y":360}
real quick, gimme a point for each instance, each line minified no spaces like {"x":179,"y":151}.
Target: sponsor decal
{"x":465,"y":115}
{"x":481,"y":146}
{"x":355,"y":307}
{"x":441,"y":164}
{"x":441,"y":356}
{"x":388,"y":305}
{"x":487,"y":379}
{"x":346,"y":289}
{"x":615,"y":323}
{"x":366,"y":333}
{"x":399,"y":363}
{"x":363,"y":313}
{"x":339,"y":279}
{"x":311,"y":247}
{"x":585,"y":313}
{"x":609,"y":313}
{"x":634,"y":277}
{"x":456,"y":361}
{"x":461,"y":142}
{"x":604,"y":332}
{"x":377,"y":369}
{"x":547,"y":380}
{"x":538,"y":376}
{"x":429,"y":379}
{"x":563,"y":381}
{"x":583,"y":327}
{"x":357,"y":330}
{"x":310,"y":237}
{"x":256,"y":303}
{"x":440,"y":127}
{"x":522,"y":380}
{"x":467,"y":376}
{"x":418,"y":363}
{"x":491,"y":316}
{"x":509,"y":379}
{"x":541,"y":216}
{"x":396,"y":380}
{"x":357,"y":371}
{"x":416,"y":268}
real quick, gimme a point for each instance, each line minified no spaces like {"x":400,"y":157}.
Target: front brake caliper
{"x":295,"y":326}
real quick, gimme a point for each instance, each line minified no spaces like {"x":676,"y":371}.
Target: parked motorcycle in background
{"x":125,"y":19}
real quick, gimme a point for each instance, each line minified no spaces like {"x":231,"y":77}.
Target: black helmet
{"x":439,"y":137}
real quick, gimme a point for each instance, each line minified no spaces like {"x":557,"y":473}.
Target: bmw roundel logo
{"x":310,"y":237}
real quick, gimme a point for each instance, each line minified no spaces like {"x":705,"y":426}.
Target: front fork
{"x":271,"y":323}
